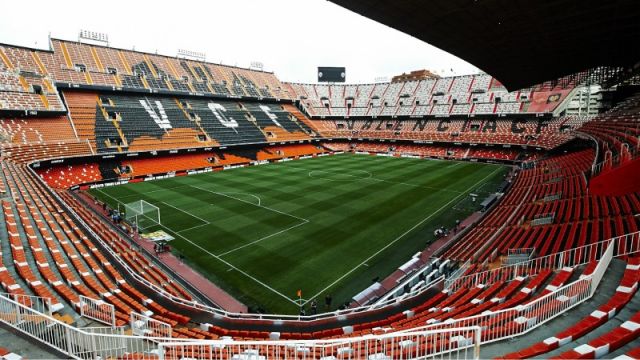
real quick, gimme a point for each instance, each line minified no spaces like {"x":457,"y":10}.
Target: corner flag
{"x":299,"y":293}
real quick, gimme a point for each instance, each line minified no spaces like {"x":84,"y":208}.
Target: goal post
{"x":142,"y":214}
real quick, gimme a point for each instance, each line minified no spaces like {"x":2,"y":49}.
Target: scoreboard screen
{"x":332,"y":74}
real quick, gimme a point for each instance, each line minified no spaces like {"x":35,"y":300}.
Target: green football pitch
{"x":327,"y":225}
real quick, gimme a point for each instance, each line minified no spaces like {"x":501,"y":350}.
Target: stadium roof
{"x":519,"y":42}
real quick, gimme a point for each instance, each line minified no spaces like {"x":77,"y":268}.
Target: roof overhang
{"x":520,"y":42}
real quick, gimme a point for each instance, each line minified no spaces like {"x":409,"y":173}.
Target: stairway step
{"x":607,"y":288}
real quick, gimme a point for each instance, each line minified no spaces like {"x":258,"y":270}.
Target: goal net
{"x":142,"y":214}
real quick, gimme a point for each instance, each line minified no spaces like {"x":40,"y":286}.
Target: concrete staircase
{"x":625,"y":314}
{"x":7,"y":258}
{"x":32,"y":263}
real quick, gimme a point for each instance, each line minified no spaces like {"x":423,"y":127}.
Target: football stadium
{"x":168,"y":206}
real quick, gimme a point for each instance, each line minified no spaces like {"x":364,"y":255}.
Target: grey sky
{"x":291,"y":37}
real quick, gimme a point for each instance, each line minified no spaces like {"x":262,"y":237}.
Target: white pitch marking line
{"x":232,"y":266}
{"x":263,"y":238}
{"x":250,"y":203}
{"x":218,"y":258}
{"x":303,"y":221}
{"x":186,"y":212}
{"x":241,"y":193}
{"x":416,"y":185}
{"x":402,"y":235}
{"x":193,"y":227}
{"x":104,"y":193}
{"x":152,"y":191}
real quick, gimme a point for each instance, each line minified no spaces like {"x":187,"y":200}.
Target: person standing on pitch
{"x":328,"y":300}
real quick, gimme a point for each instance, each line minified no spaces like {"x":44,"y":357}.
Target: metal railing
{"x":521,"y":251}
{"x":454,"y":343}
{"x":90,"y":343}
{"x":97,"y":310}
{"x":143,"y":325}
{"x":39,"y":304}
{"x":518,"y":320}
{"x":573,"y":257}
{"x":457,"y":274}
{"x":111,"y":342}
{"x":460,"y":338}
{"x":623,"y":245}
{"x":611,"y":161}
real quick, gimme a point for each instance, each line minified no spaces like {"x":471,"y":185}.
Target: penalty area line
{"x":250,"y":203}
{"x":263,"y":238}
{"x":232,"y":266}
{"x":188,"y":213}
{"x":403,"y":235}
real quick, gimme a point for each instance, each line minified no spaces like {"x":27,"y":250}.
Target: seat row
{"x":504,"y":131}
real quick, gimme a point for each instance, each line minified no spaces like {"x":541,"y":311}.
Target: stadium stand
{"x":67,"y":176}
{"x":138,"y":123}
{"x":434,"y":151}
{"x":103,"y":66}
{"x":63,"y":243}
{"x":617,"y":133}
{"x":62,"y":247}
{"x":549,"y":201}
{"x":26,"y":84}
{"x":624,"y":293}
{"x":461,"y":95}
{"x":538,"y":133}
{"x":36,"y":130}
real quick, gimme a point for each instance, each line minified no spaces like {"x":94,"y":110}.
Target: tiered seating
{"x":303,"y":121}
{"x":445,"y":307}
{"x":21,"y":101}
{"x":461,"y":95}
{"x":626,"y":333}
{"x":64,"y":177}
{"x":83,"y":107}
{"x":96,"y":65}
{"x":138,"y":263}
{"x":68,"y":247}
{"x":36,"y":130}
{"x":624,"y":293}
{"x":513,"y":132}
{"x":139,"y":123}
{"x":64,"y":247}
{"x":438,"y":151}
{"x":618,"y":132}
{"x":500,"y":154}
{"x":54,"y":258}
{"x":7,"y":281}
{"x":25,"y":153}
{"x":25,"y":81}
{"x":578,"y":218}
{"x":276,"y":123}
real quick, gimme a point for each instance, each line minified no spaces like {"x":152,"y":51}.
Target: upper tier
{"x":459,"y":95}
{"x":29,"y":79}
